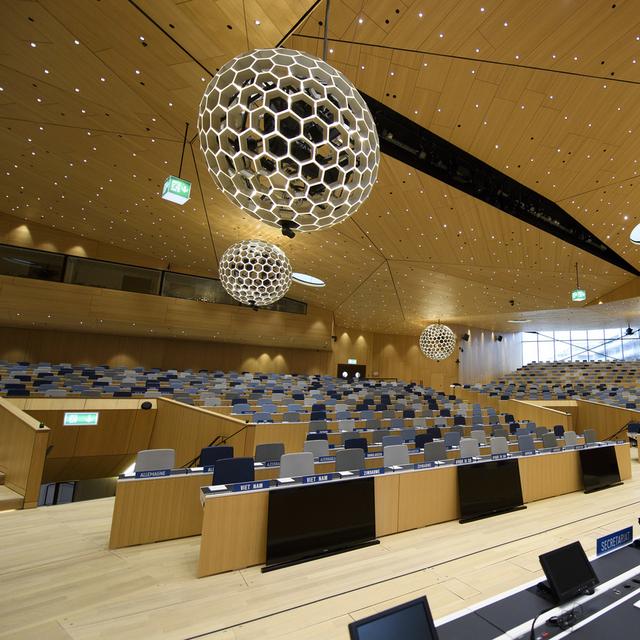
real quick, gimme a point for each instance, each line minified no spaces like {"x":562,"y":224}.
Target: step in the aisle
{"x":9,"y":499}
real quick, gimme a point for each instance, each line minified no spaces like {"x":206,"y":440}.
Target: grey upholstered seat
{"x":155,"y":459}
{"x":297,"y":464}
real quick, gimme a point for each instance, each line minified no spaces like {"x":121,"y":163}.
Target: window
{"x":110,"y":275}
{"x":30,"y":263}
{"x":580,"y":345}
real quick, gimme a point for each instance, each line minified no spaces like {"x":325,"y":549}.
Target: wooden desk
{"x":234,"y":527}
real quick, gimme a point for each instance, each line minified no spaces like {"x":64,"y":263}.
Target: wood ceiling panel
{"x":417,"y":249}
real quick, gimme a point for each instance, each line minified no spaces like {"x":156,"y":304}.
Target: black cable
{"x":218,"y":439}
{"x":532,"y":634}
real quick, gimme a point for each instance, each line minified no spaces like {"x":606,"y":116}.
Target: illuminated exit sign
{"x":176,"y":190}
{"x":578,"y":295}
{"x":80,"y":418}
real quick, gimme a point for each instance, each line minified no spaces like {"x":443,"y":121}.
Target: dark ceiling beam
{"x":405,"y":140}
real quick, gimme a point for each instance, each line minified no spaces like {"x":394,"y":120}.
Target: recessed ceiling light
{"x":518,"y":321}
{"x":307,"y":280}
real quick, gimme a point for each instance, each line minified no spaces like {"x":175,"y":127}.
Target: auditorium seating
{"x":155,"y":459}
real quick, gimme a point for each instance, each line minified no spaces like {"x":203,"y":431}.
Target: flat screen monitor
{"x":308,"y":521}
{"x":599,"y":468}
{"x":409,"y":621}
{"x":488,"y":488}
{"x":569,"y":572}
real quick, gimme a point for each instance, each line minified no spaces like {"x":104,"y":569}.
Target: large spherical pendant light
{"x":289,"y":139}
{"x":255,"y":273}
{"x":437,"y":342}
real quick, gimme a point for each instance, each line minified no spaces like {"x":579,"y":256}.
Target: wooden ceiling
{"x":95,"y":97}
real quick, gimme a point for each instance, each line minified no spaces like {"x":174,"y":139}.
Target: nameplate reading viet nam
{"x":80,"y":418}
{"x":249,"y":486}
{"x":321,"y":477}
{"x":614,"y":540}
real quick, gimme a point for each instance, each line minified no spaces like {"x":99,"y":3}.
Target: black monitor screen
{"x":568,"y":572}
{"x":409,"y":621}
{"x":313,"y":520}
{"x":488,"y":487}
{"x":599,"y":467}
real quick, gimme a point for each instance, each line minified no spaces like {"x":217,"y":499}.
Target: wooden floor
{"x":59,"y":581}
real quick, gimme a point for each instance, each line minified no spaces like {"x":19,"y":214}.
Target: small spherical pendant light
{"x":437,"y":342}
{"x":255,"y":273}
{"x":288,"y":139}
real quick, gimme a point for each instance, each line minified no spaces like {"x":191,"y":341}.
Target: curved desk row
{"x":234,"y":527}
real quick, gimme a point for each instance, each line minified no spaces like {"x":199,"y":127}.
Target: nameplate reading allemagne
{"x":424,"y":465}
{"x":158,"y":473}
{"x":249,"y":486}
{"x":321,"y":477}
{"x":327,"y":459}
{"x":271,"y":463}
{"x":371,"y":472}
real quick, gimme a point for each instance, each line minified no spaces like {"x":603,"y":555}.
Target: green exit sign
{"x":578,"y":295}
{"x":176,"y":190}
{"x":80,"y":418}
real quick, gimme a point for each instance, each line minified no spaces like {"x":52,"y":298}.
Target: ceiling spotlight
{"x":498,"y":338}
{"x":465,"y":337}
{"x":628,"y":331}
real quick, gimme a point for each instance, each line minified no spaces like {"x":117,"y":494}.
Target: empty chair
{"x":387,"y":414}
{"x":367,"y":414}
{"x":408,"y":413}
{"x":513,"y":428}
{"x":458,"y":428}
{"x":346,"y":425}
{"x":435,"y":451}
{"x":452,"y":439}
{"x":420,"y":423}
{"x":540,"y":431}
{"x":290,"y":416}
{"x":343,"y":415}
{"x":525,"y":443}
{"x":459,"y":420}
{"x":590,"y":435}
{"x":570,"y":439}
{"x":233,"y":470}
{"x":421,"y":438}
{"x":408,"y":434}
{"x":318,"y":448}
{"x":373,"y":423}
{"x":269,"y":451}
{"x":262,"y":417}
{"x":378,"y":434}
{"x":531,"y":427}
{"x":522,"y":431}
{"x":499,"y":444}
{"x":396,"y":423}
{"x":210,"y":455}
{"x":356,"y":443}
{"x":317,"y":436}
{"x":349,"y":459}
{"x":508,"y":418}
{"x":388,"y":441}
{"x":441,"y":422}
{"x":469,"y":448}
{"x":317,"y":425}
{"x":558,"y":430}
{"x":318,"y":415}
{"x":396,"y":454}
{"x":499,"y":432}
{"x":434,"y":432}
{"x":549,"y":440}
{"x":297,"y":464}
{"x":493,"y":418}
{"x":479,"y":435}
{"x":446,"y":413}
{"x":155,"y":459}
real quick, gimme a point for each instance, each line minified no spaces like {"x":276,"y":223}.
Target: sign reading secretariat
{"x":614,"y":540}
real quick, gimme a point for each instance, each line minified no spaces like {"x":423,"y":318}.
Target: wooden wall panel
{"x":188,"y":429}
{"x":23,"y":447}
{"x":604,"y":418}
{"x":542,"y":416}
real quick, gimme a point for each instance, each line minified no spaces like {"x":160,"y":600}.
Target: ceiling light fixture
{"x":288,"y":139}
{"x":578,"y":294}
{"x":255,"y":273}
{"x":518,"y":321}
{"x":437,"y":342}
{"x":634,"y":236}
{"x":307,"y":280}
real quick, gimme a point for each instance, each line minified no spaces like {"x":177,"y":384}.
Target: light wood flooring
{"x":59,"y":581}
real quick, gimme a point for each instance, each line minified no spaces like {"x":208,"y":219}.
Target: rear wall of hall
{"x":396,"y":356}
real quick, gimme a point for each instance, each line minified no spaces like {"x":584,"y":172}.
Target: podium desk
{"x":234,"y":525}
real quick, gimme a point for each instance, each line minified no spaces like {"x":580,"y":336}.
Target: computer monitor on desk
{"x":409,"y":621}
{"x":569,"y":573}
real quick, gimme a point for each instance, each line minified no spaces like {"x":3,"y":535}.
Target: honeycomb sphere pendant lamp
{"x":255,"y":273}
{"x":289,"y":139}
{"x":437,"y":342}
